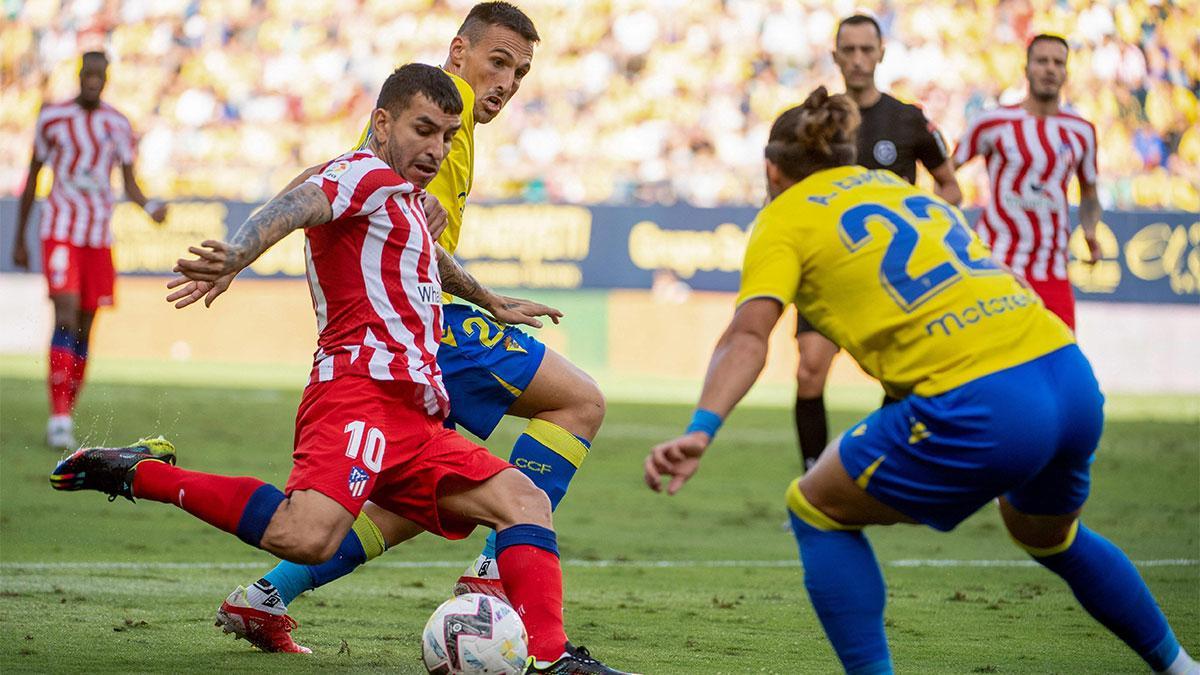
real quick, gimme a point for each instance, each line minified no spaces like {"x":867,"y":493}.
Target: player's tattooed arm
{"x":458,"y":282}
{"x":302,"y":207}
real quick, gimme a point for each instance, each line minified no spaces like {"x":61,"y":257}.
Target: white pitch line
{"x":637,"y":564}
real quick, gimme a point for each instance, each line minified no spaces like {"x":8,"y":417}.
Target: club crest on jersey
{"x":884,"y":152}
{"x":513,"y":346}
{"x":357,"y":482}
{"x":335,"y":170}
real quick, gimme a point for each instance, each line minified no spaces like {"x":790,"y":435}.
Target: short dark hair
{"x":858,"y":20}
{"x":487,"y":14}
{"x":417,"y":78}
{"x":1046,"y":37}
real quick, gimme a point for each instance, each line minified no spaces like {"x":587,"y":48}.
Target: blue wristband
{"x":706,"y":421}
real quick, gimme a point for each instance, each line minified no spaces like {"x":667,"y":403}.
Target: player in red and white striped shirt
{"x":370,"y":422}
{"x":81,"y":140}
{"x":373,"y":278}
{"x":1032,"y":151}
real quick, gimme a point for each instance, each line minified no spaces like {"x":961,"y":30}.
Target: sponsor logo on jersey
{"x":429,"y":294}
{"x":884,"y":152}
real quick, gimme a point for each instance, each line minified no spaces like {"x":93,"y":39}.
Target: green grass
{"x":698,"y":619}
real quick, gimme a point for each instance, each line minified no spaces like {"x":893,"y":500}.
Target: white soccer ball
{"x":474,"y":634}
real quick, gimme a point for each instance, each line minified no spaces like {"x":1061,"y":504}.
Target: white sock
{"x":262,"y":595}
{"x":1182,"y":665}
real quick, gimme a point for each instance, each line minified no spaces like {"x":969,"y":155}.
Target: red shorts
{"x":359,"y":438}
{"x":1058,"y":297}
{"x":79,"y":270}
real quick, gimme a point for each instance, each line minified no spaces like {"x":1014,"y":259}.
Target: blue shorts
{"x":485,"y":366}
{"x":1028,"y":432}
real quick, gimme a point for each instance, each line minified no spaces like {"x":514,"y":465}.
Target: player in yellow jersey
{"x":490,"y":369}
{"x":996,"y":400}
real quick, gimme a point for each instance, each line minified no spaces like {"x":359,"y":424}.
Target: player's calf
{"x":1104,"y":581}
{"x":307,"y":528}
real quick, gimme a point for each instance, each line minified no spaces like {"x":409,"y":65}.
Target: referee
{"x":893,"y":136}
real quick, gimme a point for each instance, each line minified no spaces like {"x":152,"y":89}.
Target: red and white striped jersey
{"x":81,"y":146}
{"x":372,"y":272}
{"x":1030,"y":161}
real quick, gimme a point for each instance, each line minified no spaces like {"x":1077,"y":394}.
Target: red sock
{"x":218,"y":500}
{"x":532,"y":581}
{"x":79,"y":366}
{"x":62,"y":368}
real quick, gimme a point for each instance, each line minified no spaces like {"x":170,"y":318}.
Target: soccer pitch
{"x":705,"y":582}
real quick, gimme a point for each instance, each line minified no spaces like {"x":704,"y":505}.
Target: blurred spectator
{"x":629,"y":101}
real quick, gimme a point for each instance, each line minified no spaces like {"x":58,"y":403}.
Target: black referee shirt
{"x":895,"y":135}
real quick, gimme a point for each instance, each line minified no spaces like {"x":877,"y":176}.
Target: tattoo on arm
{"x":458,"y":282}
{"x":302,"y":207}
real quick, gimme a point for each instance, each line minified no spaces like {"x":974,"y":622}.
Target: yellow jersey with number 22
{"x":894,"y":276}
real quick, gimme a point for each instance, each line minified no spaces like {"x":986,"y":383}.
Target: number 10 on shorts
{"x":372,"y":455}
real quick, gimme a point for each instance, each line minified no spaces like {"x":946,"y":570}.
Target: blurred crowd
{"x":653,"y":101}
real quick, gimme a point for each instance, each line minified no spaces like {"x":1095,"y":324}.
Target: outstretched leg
{"x":1103,"y":580}
{"x":305,"y":526}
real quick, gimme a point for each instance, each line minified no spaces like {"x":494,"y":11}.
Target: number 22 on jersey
{"x":908,"y":291}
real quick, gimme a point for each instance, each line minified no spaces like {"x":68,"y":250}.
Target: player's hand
{"x":678,"y":458}
{"x":436,"y":217}
{"x":214,"y":259}
{"x":518,"y":311}
{"x":1093,"y":245}
{"x":156,"y":210}
{"x":21,"y":254}
{"x":189,"y":291}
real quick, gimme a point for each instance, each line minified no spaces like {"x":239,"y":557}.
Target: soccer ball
{"x":474,"y":634}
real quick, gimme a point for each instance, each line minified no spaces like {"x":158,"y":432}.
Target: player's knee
{"x":586,"y":409}
{"x":68,"y":321}
{"x":304,"y":545}
{"x":523,"y":503}
{"x":592,"y":407}
{"x":314,"y":549}
{"x":809,"y":383}
{"x":1040,"y":536}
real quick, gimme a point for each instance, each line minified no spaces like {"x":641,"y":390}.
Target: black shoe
{"x":109,"y":470}
{"x":576,"y":661}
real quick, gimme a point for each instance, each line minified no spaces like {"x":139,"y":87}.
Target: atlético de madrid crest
{"x":357,"y":482}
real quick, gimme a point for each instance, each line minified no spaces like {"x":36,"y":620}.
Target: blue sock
{"x":549,"y":455}
{"x":847,"y":591}
{"x":81,"y":347}
{"x":527,"y":535}
{"x":364,"y":542}
{"x":64,"y":338}
{"x":256,"y":514}
{"x":1109,"y":587}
